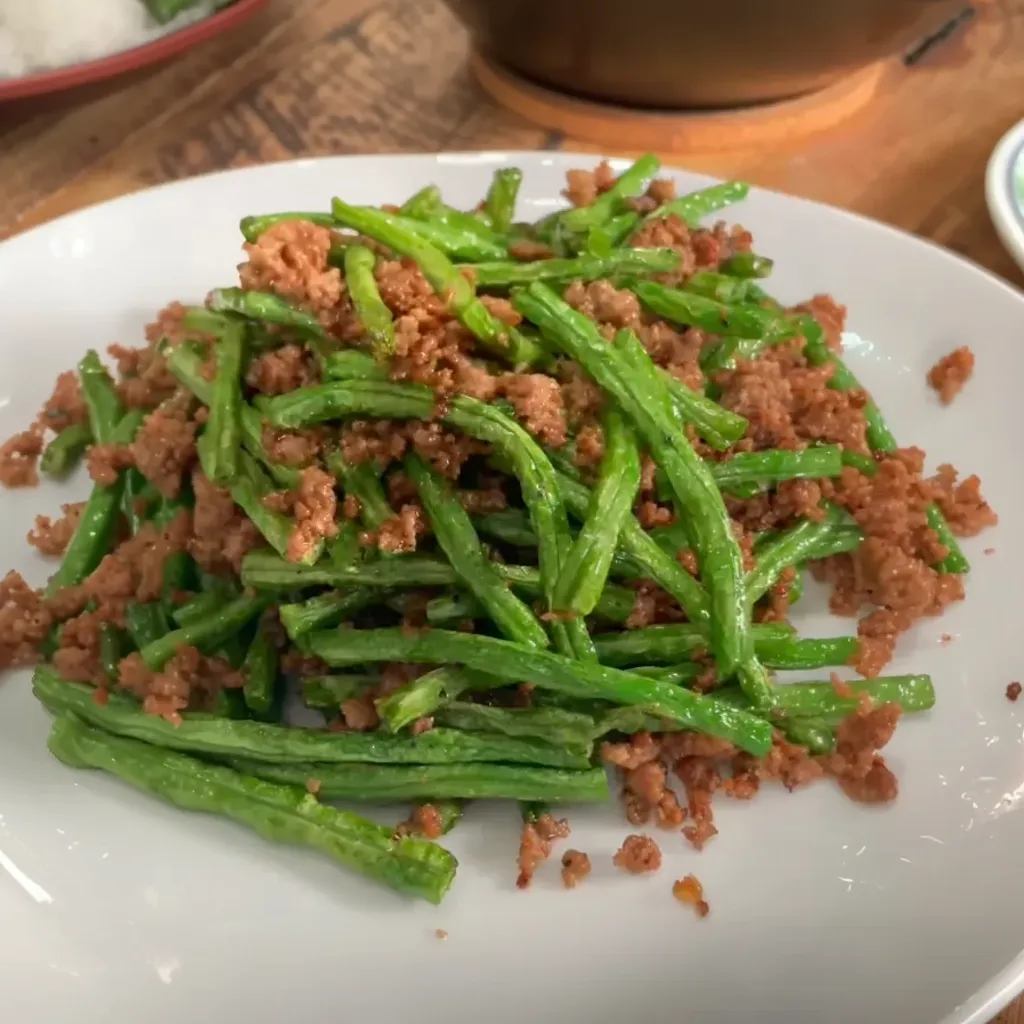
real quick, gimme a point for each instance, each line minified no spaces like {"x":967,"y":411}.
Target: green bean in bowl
{"x":506,"y":506}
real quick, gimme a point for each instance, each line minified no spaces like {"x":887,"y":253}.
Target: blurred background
{"x":888,"y":107}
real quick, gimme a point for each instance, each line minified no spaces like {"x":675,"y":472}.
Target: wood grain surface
{"x":319,"y":77}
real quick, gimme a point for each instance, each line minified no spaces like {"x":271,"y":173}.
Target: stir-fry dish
{"x":505,"y":504}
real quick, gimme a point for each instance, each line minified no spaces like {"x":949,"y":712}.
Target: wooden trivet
{"x":623,"y":128}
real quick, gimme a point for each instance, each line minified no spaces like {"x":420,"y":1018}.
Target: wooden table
{"x":319,"y":77}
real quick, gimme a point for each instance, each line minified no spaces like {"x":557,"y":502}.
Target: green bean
{"x":859,"y":461}
{"x":186,"y":363}
{"x":207,"y":633}
{"x":263,"y":570}
{"x":719,"y":427}
{"x":813,"y":733}
{"x":111,"y":650}
{"x":811,"y":653}
{"x":268,"y":308}
{"x":224,"y":428}
{"x":345,"y":548}
{"x":363,"y":483}
{"x":146,"y":623}
{"x":101,"y":400}
{"x":253,"y":227}
{"x":476,"y":225}
{"x":553,"y":725}
{"x":422,"y":696}
{"x":616,"y":604}
{"x":279,"y":744}
{"x":514,"y":663}
{"x":422,"y":204}
{"x":433,"y":782}
{"x":718,"y":286}
{"x":631,"y":182}
{"x":585,"y":569}
{"x":779,"y":464}
{"x":508,"y":525}
{"x":325,"y":610}
{"x":200,"y":607}
{"x":652,"y":561}
{"x":823,"y":699}
{"x":65,"y":451}
{"x":446,"y":280}
{"x":678,"y":642}
{"x":742,"y":319}
{"x":456,"y":537}
{"x":686,"y":672}
{"x":501,"y":197}
{"x":277,"y":812}
{"x":618,"y":228}
{"x":375,"y":317}
{"x":747,"y":264}
{"x":94,"y":533}
{"x":259,"y":670}
{"x":955,"y":561}
{"x":582,"y":268}
{"x":787,"y":549}
{"x":638,"y":393}
{"x":694,"y":206}
{"x":351,"y":364}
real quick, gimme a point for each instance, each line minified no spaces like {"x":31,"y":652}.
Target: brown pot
{"x":683,"y":53}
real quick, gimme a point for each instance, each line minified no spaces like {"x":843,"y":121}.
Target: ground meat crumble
{"x":951,"y":373}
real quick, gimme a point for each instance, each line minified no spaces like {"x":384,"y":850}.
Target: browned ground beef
{"x":951,"y":373}
{"x":1013,"y":691}
{"x":281,"y":370}
{"x":638,"y":855}
{"x":314,"y":511}
{"x":575,"y":868}
{"x":19,"y":457}
{"x":290,"y":259}
{"x":51,"y":537}
{"x":535,"y":845}
{"x":165,"y":448}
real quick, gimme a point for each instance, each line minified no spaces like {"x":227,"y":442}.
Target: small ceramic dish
{"x":1004,"y":190}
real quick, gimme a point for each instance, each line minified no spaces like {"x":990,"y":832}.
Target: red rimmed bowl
{"x":90,"y":72}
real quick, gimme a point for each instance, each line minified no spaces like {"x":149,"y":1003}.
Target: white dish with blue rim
{"x":1004,"y":190}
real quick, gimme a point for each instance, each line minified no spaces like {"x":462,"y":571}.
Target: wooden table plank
{"x":317,"y":77}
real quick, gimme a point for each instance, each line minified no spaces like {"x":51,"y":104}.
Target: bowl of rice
{"x":48,"y":46}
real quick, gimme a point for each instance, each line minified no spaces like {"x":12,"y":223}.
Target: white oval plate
{"x":115,"y":907}
{"x":1004,"y":190}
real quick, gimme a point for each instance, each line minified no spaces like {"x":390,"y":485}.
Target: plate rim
{"x":1006,"y":983}
{"x":101,"y":69}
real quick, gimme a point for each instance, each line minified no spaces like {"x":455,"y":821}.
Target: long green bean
{"x":585,"y":569}
{"x":65,"y":451}
{"x":101,"y":400}
{"x":501,"y":197}
{"x":280,"y":813}
{"x":446,"y":280}
{"x":96,"y":525}
{"x":440,"y":781}
{"x":545,"y":670}
{"x":223,"y":432}
{"x":647,"y":406}
{"x":631,"y":182}
{"x":458,"y":540}
{"x":509,"y":274}
{"x":362,"y":288}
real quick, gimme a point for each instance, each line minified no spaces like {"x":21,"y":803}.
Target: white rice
{"x":37,"y":35}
